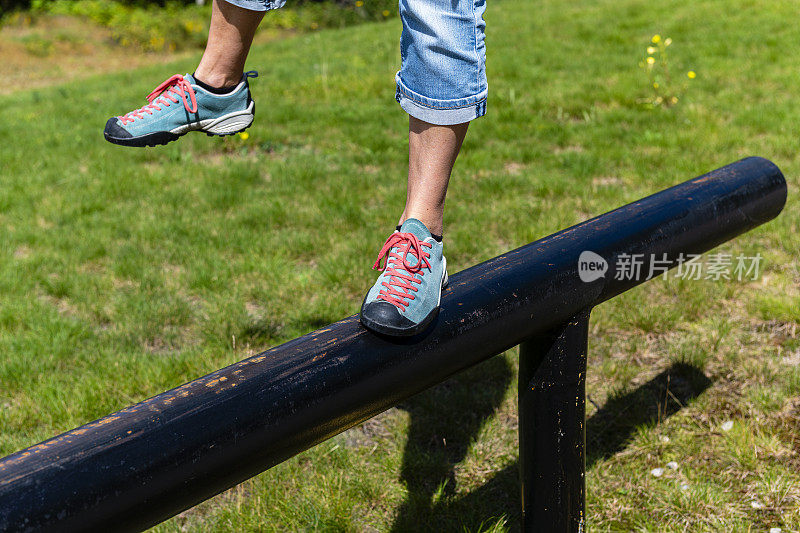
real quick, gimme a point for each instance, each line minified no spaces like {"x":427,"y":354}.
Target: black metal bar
{"x":552,"y":427}
{"x":139,"y":466}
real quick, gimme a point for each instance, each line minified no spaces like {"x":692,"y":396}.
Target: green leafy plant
{"x":174,"y":26}
{"x":37,"y":45}
{"x":177,"y":26}
{"x":665,"y":90}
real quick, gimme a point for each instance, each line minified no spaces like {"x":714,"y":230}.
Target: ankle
{"x":217,"y":80}
{"x":434,"y":225}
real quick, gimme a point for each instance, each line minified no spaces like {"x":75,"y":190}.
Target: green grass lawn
{"x":125,"y":272}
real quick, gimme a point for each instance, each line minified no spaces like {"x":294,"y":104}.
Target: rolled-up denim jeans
{"x":258,"y":5}
{"x":442,"y":76}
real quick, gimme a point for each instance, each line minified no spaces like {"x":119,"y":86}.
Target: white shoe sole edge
{"x":445,"y":280}
{"x":224,"y":125}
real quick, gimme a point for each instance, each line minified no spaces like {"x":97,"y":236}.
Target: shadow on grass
{"x":445,"y":420}
{"x":457,"y":412}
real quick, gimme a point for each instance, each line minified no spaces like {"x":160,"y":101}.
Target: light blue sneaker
{"x":406,"y":297}
{"x":180,"y":105}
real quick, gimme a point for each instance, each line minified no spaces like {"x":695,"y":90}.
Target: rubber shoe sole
{"x":230,"y":124}
{"x":387,"y":329}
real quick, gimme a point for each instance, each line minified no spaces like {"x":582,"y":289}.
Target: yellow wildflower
{"x":655,"y":85}
{"x":359,"y":3}
{"x":674,"y":100}
{"x":651,"y":60}
{"x":651,"y":50}
{"x":656,"y":38}
{"x":385,"y":12}
{"x":691,"y":74}
{"x":243,"y":135}
{"x":667,"y":41}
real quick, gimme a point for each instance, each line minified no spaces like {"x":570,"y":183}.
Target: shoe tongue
{"x":412,"y":225}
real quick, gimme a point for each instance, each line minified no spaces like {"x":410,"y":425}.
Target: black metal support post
{"x":552,"y":429}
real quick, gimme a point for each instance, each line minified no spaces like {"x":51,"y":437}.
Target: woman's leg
{"x":216,"y":100}
{"x":432,"y":151}
{"x":229,"y":39}
{"x":442,"y":86}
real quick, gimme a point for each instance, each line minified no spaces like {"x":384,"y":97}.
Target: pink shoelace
{"x":400,"y":286}
{"x":165,"y":94}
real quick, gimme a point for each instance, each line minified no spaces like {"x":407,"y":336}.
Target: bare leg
{"x":229,"y":39}
{"x":432,"y":151}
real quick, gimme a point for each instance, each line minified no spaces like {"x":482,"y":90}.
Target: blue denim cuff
{"x":257,"y":5}
{"x":440,"y":112}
